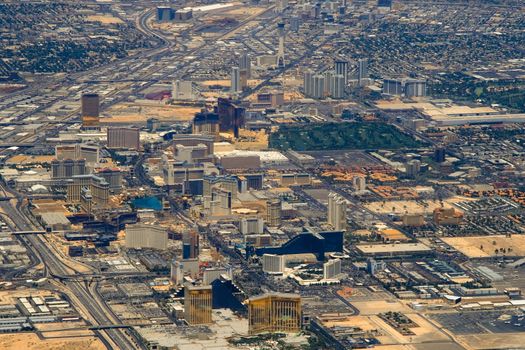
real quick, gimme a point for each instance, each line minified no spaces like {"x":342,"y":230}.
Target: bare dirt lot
{"x":485,"y":246}
{"x":30,"y":341}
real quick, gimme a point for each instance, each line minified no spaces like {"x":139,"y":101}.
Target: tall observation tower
{"x":280,"y":53}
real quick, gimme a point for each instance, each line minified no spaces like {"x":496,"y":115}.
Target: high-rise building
{"x":139,"y":236}
{"x":176,"y":273}
{"x":359,"y":183}
{"x":280,"y":52}
{"x":384,"y":3}
{"x":274,"y":312}
{"x":190,"y":245}
{"x":308,"y":83}
{"x":362,"y":71}
{"x":415,"y":88}
{"x":66,"y":168}
{"x":89,"y":153}
{"x":439,"y":154}
{"x":273,"y":264}
{"x":273,"y":212}
{"x":152,"y":124}
{"x":393,"y":87}
{"x":113,"y":177}
{"x":341,"y":68}
{"x":412,"y":168}
{"x":97,"y":186}
{"x":90,"y":111}
{"x":236,"y":80}
{"x":337,"y":86}
{"x":295,"y":23}
{"x":337,"y":211}
{"x":331,"y":269}
{"x":245,"y":64}
{"x":231,"y":116}
{"x":165,"y":14}
{"x":123,"y":138}
{"x":251,"y":225}
{"x":212,"y":273}
{"x":197,"y":304}
{"x":319,"y":86}
{"x":182,"y":90}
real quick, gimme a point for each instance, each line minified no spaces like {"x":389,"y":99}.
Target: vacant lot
{"x":486,"y":246}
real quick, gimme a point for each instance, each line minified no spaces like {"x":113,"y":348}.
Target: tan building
{"x":273,"y":212}
{"x":413,"y":220}
{"x":274,"y":312}
{"x":140,"y":236}
{"x":197,"y":304}
{"x":89,"y":153}
{"x":447,"y":216}
{"x":98,"y":193}
{"x":124,"y":138}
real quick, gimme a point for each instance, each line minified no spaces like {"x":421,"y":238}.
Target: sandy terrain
{"x":30,"y":341}
{"x":139,"y":113}
{"x":28,"y":159}
{"x":493,"y":341}
{"x":471,"y":246}
{"x":378,"y":306}
{"x":412,"y":206}
{"x":104,"y":19}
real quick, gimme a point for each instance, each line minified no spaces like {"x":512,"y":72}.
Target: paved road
{"x":56,"y":266}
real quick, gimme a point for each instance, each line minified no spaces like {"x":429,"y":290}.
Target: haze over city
{"x":262,"y":174}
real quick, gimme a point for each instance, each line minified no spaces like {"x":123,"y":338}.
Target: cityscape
{"x":262,"y":174}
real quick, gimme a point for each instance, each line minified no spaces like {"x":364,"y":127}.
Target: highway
{"x":98,"y":312}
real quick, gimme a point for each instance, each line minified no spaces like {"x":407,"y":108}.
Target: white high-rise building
{"x":337,"y":86}
{"x":140,"y":236}
{"x":211,"y":274}
{"x":318,"y":86}
{"x":236,"y":80}
{"x":249,"y":226}
{"x":182,"y":90}
{"x":273,"y":264}
{"x":362,"y":72}
{"x":280,"y":52}
{"x":359,"y":183}
{"x":245,"y":64}
{"x":331,"y":269}
{"x":337,"y":211}
{"x":341,"y":68}
{"x":308,"y":83}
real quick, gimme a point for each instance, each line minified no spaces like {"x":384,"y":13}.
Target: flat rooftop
{"x":399,"y":248}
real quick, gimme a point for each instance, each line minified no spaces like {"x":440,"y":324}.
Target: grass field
{"x":332,"y":136}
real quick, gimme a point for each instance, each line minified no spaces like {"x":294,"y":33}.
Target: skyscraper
{"x":197,"y":304}
{"x":190,"y":245}
{"x":341,"y":68}
{"x":337,"y":211}
{"x":90,"y":111}
{"x":274,"y":312}
{"x":231,"y":116}
{"x":362,"y":71}
{"x":123,"y":138}
{"x":415,"y":88}
{"x":318,"y":86}
{"x":280,"y":52}
{"x":308,"y":83}
{"x":245,"y":64}
{"x":273,"y":212}
{"x":235,"y":80}
{"x":384,"y":3}
{"x":337,"y":86}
